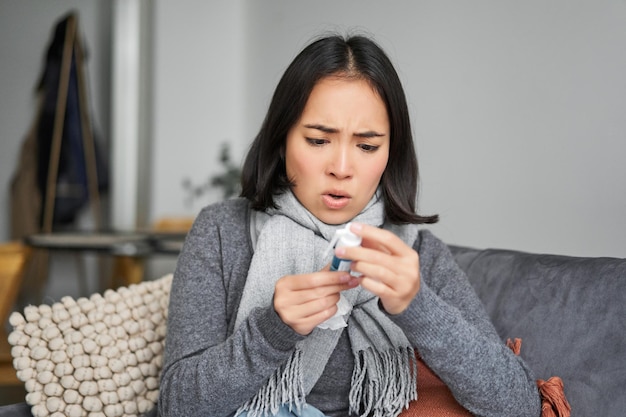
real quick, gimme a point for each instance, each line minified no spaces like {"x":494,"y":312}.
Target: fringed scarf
{"x":292,"y":241}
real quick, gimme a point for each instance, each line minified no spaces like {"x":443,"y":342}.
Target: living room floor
{"x":11,"y":394}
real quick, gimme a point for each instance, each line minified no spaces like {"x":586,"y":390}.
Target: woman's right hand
{"x":306,"y":300}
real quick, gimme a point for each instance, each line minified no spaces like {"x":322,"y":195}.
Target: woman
{"x":252,"y":283}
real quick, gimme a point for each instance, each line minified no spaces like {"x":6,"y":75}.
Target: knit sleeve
{"x":209,"y":368}
{"x":448,"y":325}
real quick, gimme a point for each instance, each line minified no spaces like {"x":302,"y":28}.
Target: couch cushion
{"x":570,"y":314}
{"x":99,"y":356}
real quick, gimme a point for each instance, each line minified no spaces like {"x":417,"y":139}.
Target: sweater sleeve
{"x":448,"y":325}
{"x":209,"y":369}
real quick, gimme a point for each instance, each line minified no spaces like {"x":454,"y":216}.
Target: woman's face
{"x":337,"y":151}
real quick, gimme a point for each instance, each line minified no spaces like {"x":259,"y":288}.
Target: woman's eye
{"x":368,"y":148}
{"x":316,"y":142}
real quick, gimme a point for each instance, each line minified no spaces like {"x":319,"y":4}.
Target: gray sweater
{"x":210,"y":369}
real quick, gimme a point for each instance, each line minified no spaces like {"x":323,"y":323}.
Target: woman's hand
{"x":306,"y":300}
{"x":390,"y":268}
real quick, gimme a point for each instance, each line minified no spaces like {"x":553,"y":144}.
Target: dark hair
{"x":264,"y":173}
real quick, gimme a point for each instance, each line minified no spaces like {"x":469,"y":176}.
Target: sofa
{"x":569,"y":312}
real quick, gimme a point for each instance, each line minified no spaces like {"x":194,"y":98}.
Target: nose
{"x":340,"y":163}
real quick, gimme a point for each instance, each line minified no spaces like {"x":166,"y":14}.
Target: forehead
{"x":335,"y":97}
{"x":337,"y":85}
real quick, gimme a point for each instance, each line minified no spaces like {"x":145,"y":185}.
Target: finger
{"x":379,"y":264}
{"x":371,"y":262}
{"x":380,"y":239}
{"x":376,"y":287}
{"x":320,"y":279}
{"x":303,"y":318}
{"x":286,"y":297}
{"x":311,"y":295}
{"x":318,"y":305}
{"x":374,"y":271}
{"x":305,"y":325}
{"x":366,"y":255}
{"x":392,"y":301}
{"x":398,"y":279}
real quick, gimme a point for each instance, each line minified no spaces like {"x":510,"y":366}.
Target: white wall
{"x":518,"y":107}
{"x":25,"y":33}
{"x":199,"y":90}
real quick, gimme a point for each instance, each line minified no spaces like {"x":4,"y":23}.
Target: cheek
{"x":377,"y":170}
{"x":288,"y":158}
{"x":297,"y":166}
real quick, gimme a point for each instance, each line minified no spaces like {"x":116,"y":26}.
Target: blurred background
{"x":518,"y":107}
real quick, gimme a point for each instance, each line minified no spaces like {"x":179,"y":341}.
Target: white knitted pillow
{"x":96,"y":356}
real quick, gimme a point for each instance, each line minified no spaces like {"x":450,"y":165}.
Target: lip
{"x":336,"y":203}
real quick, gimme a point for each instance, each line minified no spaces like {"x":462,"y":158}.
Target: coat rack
{"x":71,"y":46}
{"x":34,"y":186}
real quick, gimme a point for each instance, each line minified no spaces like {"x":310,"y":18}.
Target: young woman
{"x":252,"y":285}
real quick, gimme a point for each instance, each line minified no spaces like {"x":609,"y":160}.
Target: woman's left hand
{"x":390,"y":268}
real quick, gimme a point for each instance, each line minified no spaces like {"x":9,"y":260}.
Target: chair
{"x":13,"y":257}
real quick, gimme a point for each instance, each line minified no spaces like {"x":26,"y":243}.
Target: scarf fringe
{"x":285,"y":386}
{"x":373,"y":393}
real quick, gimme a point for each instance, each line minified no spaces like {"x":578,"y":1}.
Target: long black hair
{"x":264,"y":174}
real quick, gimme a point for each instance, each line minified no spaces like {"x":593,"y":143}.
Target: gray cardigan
{"x":210,"y":368}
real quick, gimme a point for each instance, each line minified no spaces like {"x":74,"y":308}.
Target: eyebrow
{"x":326,"y":129}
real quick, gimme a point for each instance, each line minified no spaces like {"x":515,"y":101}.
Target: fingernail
{"x":354,"y":281}
{"x":343,"y":278}
{"x":340,"y":251}
{"x":356,"y":227}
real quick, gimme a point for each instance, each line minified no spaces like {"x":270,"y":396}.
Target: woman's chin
{"x":334,"y":217}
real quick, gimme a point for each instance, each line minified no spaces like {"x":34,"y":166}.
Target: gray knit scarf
{"x":292,"y":241}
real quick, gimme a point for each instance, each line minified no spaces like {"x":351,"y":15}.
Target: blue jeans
{"x":306,"y":411}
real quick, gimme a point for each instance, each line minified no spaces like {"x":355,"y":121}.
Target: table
{"x":128,"y":248}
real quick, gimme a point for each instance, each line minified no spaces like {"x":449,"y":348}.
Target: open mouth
{"x":336,"y":201}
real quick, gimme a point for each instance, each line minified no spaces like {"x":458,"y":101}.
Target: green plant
{"x":228,"y":180}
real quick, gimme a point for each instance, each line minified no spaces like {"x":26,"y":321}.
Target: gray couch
{"x":569,"y":312}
